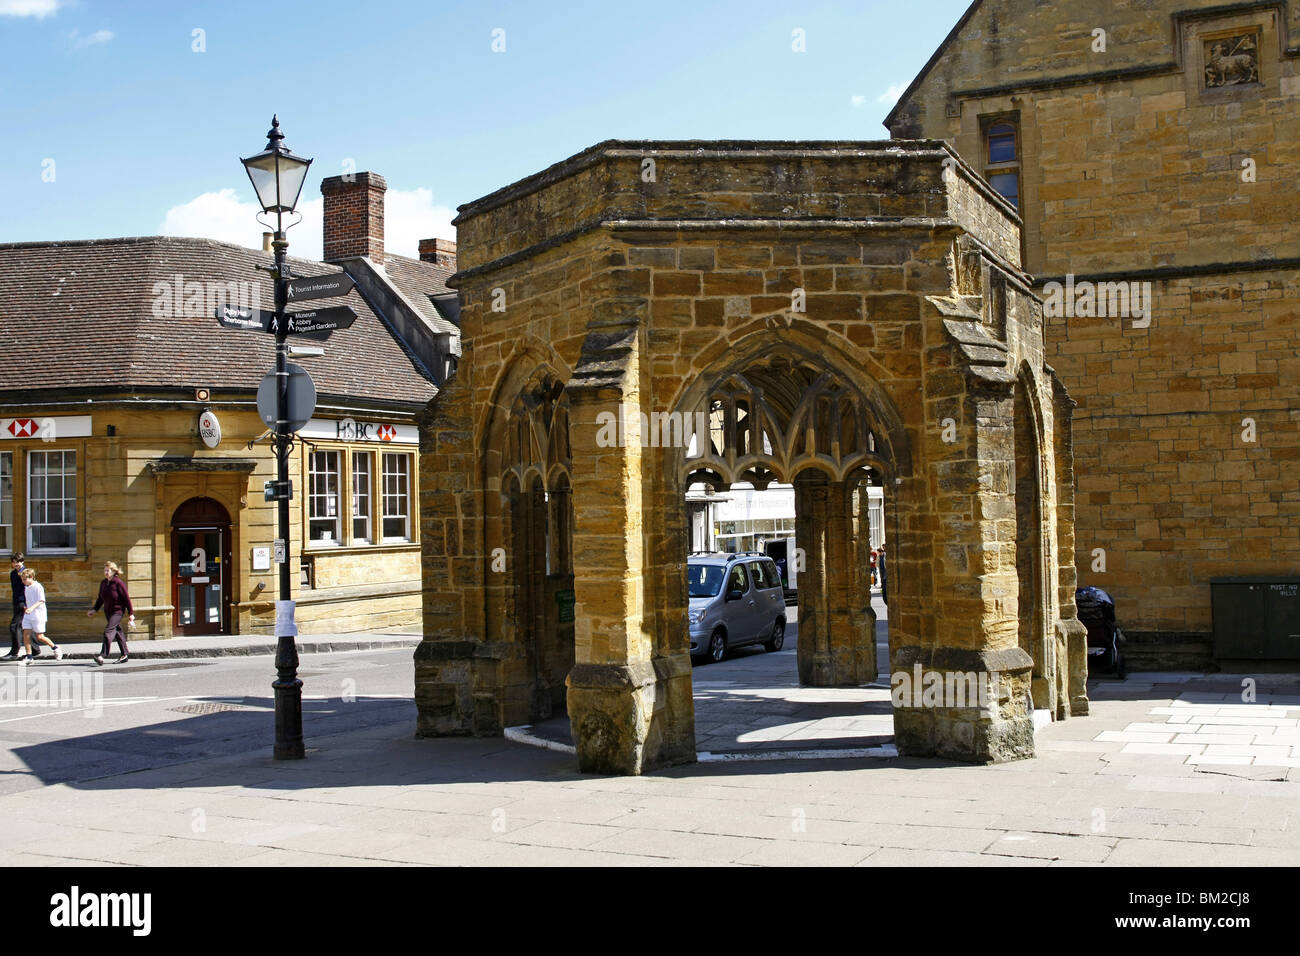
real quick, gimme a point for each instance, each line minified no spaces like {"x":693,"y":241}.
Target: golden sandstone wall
{"x":125,"y":501}
{"x":645,"y":274}
{"x":1156,"y":161}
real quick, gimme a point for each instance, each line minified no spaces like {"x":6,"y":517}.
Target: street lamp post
{"x":277,"y":176}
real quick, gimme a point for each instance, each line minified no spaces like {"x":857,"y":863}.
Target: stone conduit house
{"x":1153,"y":150}
{"x":837,"y":310}
{"x":111,"y":356}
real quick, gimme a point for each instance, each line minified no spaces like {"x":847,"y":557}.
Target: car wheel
{"x":777,"y":639}
{"x":717,"y":646}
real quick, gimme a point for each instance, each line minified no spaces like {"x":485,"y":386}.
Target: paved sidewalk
{"x":378,"y":796}
{"x":226,"y":645}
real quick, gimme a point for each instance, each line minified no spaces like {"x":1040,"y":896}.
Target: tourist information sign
{"x":320,"y":287}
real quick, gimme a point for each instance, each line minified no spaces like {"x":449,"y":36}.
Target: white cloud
{"x":80,"y":42}
{"x":892,"y":94}
{"x":858,"y":101}
{"x":40,"y":9}
{"x":409,"y":216}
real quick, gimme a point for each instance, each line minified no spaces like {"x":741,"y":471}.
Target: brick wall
{"x":354,"y":216}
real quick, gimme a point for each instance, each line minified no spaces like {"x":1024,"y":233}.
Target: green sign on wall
{"x":565,"y":600}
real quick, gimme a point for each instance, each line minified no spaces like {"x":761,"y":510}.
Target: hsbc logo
{"x":351,"y":430}
{"x":42,"y":428}
{"x":45,"y":429}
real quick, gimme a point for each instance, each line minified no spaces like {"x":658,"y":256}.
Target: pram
{"x":1097,"y":612}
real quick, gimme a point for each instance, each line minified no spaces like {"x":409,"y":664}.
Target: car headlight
{"x":697,"y":615}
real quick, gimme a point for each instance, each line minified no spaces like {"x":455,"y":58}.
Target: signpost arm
{"x":288,"y":687}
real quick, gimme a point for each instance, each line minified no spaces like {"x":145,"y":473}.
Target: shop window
{"x":324,"y":519}
{"x":1002,"y":158}
{"x":397,"y":497}
{"x":361,"y":497}
{"x":52,"y":501}
{"x":6,"y":501}
{"x":306,"y":572}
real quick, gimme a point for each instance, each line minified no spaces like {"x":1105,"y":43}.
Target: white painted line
{"x":523,"y":735}
{"x":860,"y":753}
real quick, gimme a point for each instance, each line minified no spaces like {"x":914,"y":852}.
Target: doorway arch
{"x":201,"y":567}
{"x":796,"y":419}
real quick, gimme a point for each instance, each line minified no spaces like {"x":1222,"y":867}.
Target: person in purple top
{"x":116,"y":604}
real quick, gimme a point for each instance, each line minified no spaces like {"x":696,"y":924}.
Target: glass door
{"x":199,"y":580}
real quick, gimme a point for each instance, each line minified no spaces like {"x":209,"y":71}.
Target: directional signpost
{"x":252,"y":319}
{"x":315,"y":321}
{"x":320,"y":287}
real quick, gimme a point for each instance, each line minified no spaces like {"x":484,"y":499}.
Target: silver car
{"x":735,"y":599}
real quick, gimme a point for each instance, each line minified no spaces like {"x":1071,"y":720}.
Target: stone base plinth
{"x":971,"y":706}
{"x":630,"y":718}
{"x":457,"y":689}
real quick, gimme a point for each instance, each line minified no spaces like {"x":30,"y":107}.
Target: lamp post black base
{"x":288,"y":720}
{"x":288,"y":702}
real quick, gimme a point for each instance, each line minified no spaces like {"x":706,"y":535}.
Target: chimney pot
{"x":266,"y":241}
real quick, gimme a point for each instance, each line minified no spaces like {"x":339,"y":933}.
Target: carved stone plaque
{"x":1232,"y":60}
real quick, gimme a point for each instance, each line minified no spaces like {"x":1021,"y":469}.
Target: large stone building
{"x":1153,"y":151}
{"x":840,"y":314}
{"x":113,"y":369}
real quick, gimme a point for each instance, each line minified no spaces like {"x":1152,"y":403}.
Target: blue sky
{"x":145,"y":133}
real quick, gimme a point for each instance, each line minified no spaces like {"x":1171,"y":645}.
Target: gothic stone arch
{"x":830,"y":307}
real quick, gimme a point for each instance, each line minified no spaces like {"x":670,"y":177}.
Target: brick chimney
{"x":354,"y":216}
{"x":438,"y":251}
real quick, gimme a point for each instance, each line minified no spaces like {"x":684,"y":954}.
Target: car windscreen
{"x":705,"y":580}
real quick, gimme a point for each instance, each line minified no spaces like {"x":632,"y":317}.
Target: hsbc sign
{"x":44,"y":428}
{"x":349,"y":429}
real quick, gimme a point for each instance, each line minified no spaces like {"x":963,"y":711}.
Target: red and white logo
{"x":22,"y":427}
{"x":387,"y":432}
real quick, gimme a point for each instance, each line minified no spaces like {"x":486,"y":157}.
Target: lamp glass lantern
{"x":277,"y":174}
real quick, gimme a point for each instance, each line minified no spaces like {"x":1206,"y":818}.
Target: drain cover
{"x":208,"y":707}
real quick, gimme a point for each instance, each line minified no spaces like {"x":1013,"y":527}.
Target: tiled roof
{"x":420,"y":282}
{"x":86,"y":313}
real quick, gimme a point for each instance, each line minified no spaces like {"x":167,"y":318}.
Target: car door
{"x":740,"y":614}
{"x":771,"y":595}
{"x":755,"y":614}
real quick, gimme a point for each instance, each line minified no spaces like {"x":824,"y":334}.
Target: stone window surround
{"x":348,"y":542}
{"x":75,"y":498}
{"x":988,"y":168}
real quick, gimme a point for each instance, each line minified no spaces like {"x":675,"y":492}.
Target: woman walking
{"x":35,"y":616}
{"x":116,"y":603}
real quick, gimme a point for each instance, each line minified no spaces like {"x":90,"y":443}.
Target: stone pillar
{"x":1071,"y":634}
{"x":811,"y":491}
{"x":962,"y":691}
{"x":619,"y":689}
{"x":837,"y":627}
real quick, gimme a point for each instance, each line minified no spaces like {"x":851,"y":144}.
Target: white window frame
{"x":32,"y":525}
{"x":404,"y":495}
{"x":7,"y":458}
{"x":322,"y":497}
{"x":368,"y":512}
